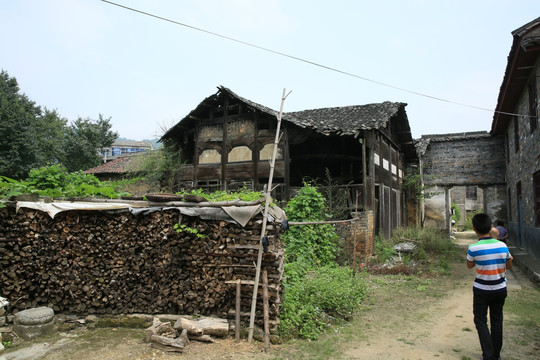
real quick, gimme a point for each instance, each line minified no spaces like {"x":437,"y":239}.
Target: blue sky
{"x":86,"y":57}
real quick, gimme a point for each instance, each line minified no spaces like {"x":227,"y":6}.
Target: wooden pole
{"x":355,"y":239}
{"x":265,"y":217}
{"x":266,"y":312}
{"x":237,"y":312}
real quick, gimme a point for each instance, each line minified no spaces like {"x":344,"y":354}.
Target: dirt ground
{"x":398,"y":323}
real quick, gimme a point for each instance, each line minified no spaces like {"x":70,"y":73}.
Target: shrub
{"x":324,"y":296}
{"x":317,"y":291}
{"x":313,"y":244}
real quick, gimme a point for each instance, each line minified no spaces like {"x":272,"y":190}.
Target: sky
{"x":84,"y":58}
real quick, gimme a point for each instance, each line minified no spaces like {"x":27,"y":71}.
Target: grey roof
{"x":346,"y":120}
{"x":423,"y":143}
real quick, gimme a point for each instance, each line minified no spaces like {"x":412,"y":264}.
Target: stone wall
{"x":467,"y":160}
{"x":521,"y":166}
{"x":453,"y":161}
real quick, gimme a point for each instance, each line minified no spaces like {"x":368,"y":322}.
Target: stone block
{"x":29,"y":332}
{"x":35,"y":316}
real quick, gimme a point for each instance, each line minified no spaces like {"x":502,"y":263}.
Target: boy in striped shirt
{"x":491,"y":258}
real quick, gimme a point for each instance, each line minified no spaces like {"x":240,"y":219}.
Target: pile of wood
{"x":166,"y":337}
{"x":96,"y":262}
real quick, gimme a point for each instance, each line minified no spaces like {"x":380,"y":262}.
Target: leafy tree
{"x":49,"y":135}
{"x":31,"y":137}
{"x":18,"y":151}
{"x":82,"y":142}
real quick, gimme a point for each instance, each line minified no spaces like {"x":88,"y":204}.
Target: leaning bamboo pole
{"x":265,"y":217}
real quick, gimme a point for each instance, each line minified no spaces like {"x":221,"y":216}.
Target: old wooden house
{"x":227,"y":141}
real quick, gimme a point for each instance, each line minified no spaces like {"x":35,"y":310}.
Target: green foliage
{"x":31,"y":137}
{"x":313,"y":244}
{"x":56,"y":181}
{"x":434,"y":248}
{"x":324,"y":296}
{"x":83,"y":140}
{"x":159,"y":166}
{"x":414,"y":182}
{"x":184,"y":228}
{"x":456,"y":216}
{"x":317,"y":292}
{"x":243,"y":194}
{"x":18,"y":117}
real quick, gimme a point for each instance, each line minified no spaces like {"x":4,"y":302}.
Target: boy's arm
{"x":509,"y":262}
{"x":470,"y":264}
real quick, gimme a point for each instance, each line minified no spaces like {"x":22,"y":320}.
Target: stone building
{"x":465,"y":169}
{"x":516,"y":121}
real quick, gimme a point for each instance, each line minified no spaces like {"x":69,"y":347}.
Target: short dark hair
{"x":482,"y":223}
{"x":500,"y":223}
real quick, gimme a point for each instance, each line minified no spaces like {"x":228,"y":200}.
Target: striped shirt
{"x":489,"y":256}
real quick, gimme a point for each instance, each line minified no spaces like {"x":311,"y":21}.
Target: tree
{"x":83,"y":141}
{"x":32,"y":137}
{"x":18,"y":153}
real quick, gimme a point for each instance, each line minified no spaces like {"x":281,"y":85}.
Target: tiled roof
{"x":423,"y":143}
{"x":117,"y":166}
{"x":346,"y":120}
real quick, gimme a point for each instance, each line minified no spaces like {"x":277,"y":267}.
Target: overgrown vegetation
{"x":434,"y":251}
{"x":317,"y":291}
{"x":56,"y":181}
{"x":456,"y":212}
{"x":243,"y":194}
{"x":159,"y":167}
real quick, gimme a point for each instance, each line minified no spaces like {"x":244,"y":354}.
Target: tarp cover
{"x":237,"y":214}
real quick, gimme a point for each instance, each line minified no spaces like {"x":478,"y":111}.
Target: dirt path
{"x":426,"y":328}
{"x":430,"y":328}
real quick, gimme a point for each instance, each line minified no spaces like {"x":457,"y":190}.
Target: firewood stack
{"x":95,"y":262}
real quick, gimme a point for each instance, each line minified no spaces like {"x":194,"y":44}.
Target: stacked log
{"x":96,"y":262}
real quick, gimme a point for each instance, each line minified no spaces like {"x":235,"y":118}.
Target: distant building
{"x":125,"y":147}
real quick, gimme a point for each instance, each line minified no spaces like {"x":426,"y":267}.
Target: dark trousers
{"x":491,"y":342}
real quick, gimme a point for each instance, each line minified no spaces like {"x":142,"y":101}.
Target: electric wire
{"x":307,"y":61}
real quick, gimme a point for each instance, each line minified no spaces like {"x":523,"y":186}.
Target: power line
{"x":303,"y":60}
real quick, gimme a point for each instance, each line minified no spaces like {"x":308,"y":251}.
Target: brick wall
{"x":364,"y":231}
